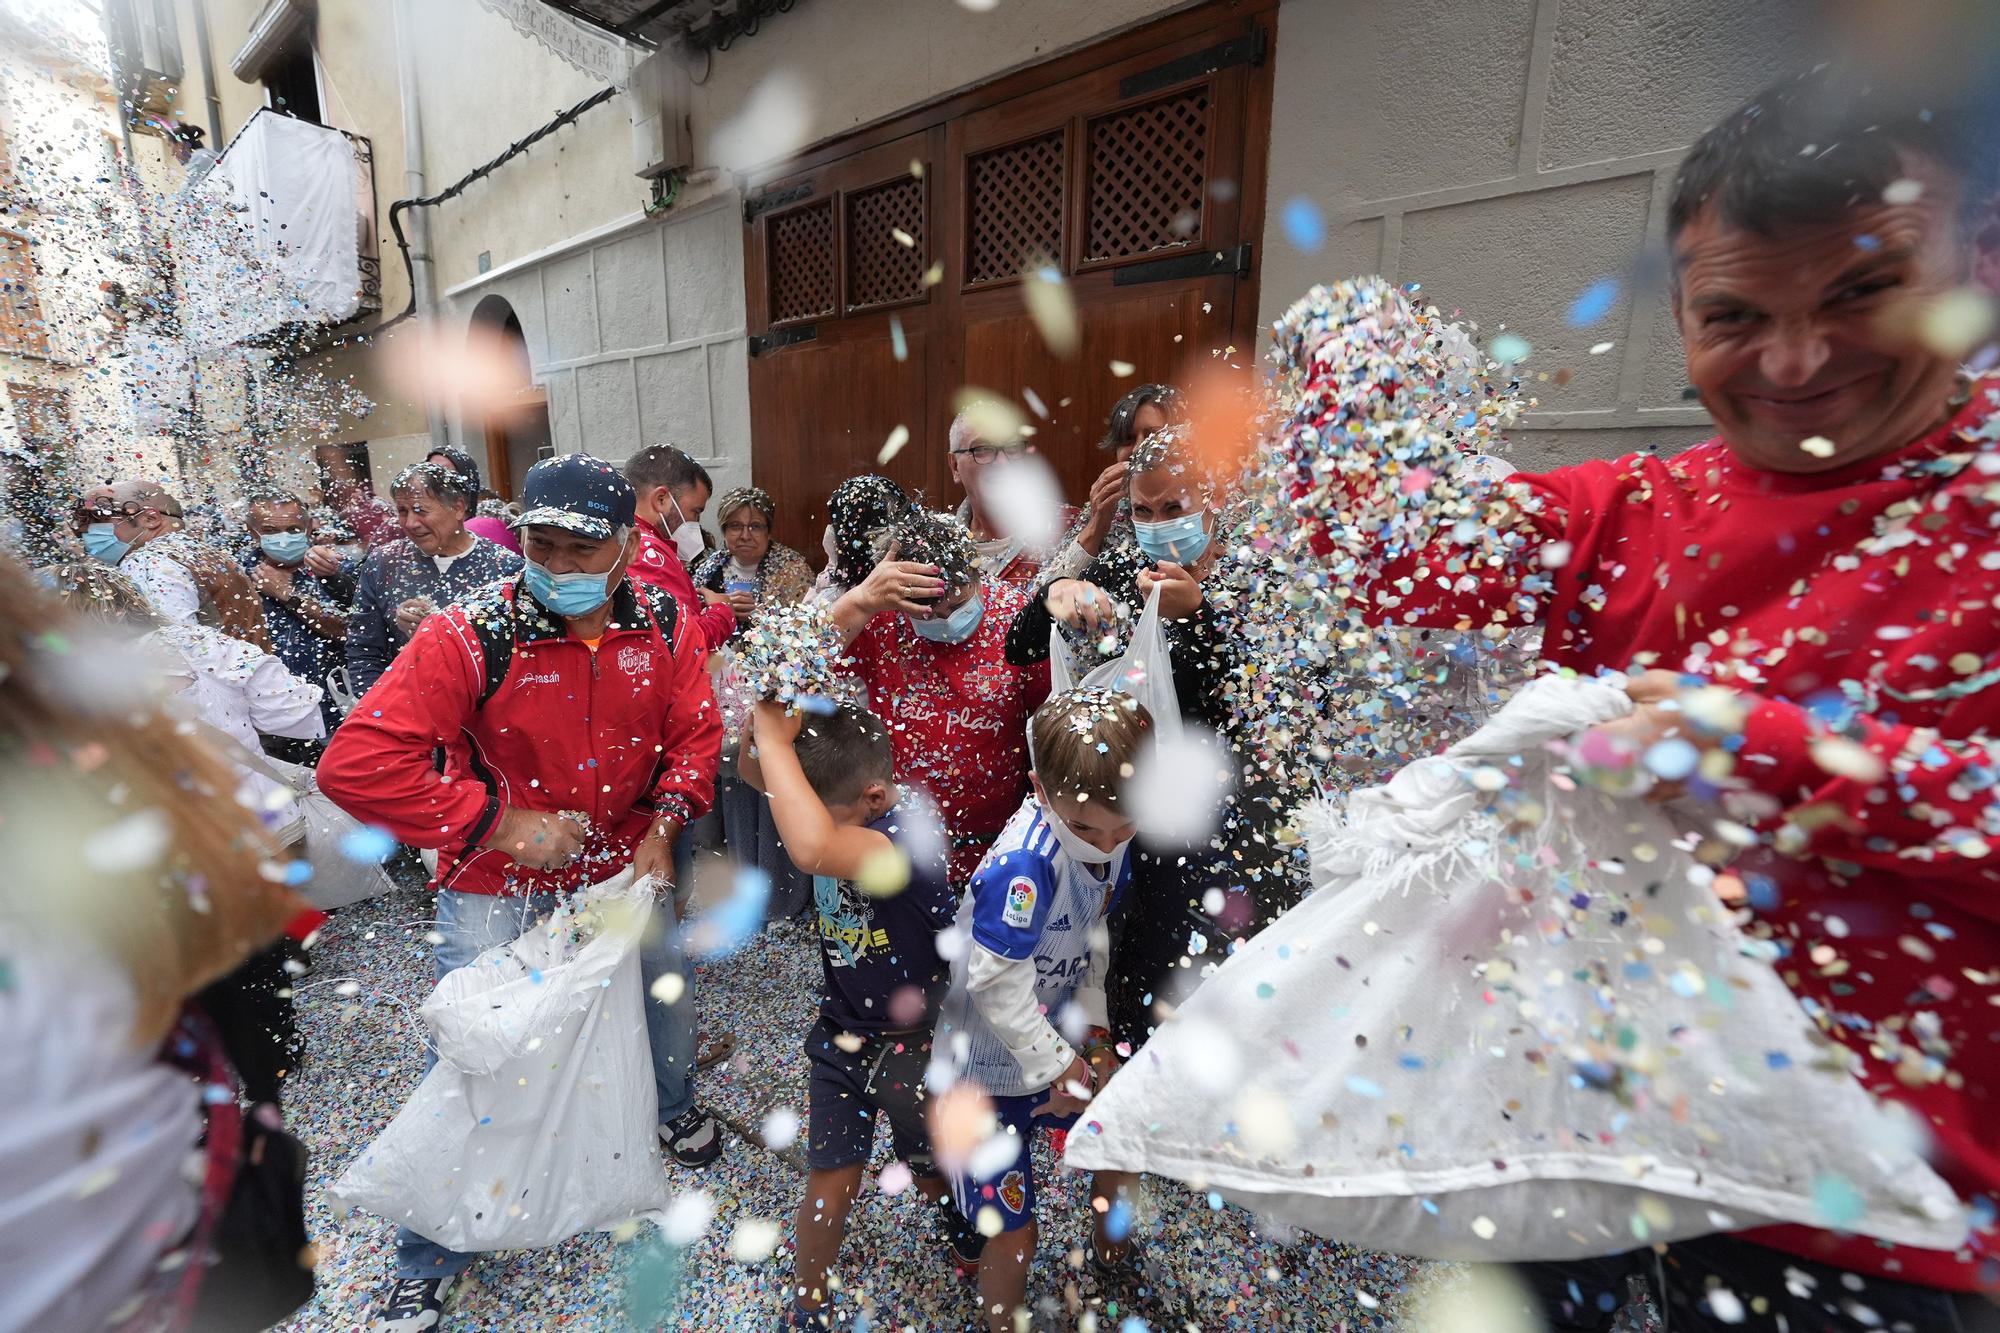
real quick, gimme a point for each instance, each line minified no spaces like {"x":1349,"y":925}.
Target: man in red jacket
{"x":1827,"y":573}
{"x":672,"y":491}
{"x":579,"y":735}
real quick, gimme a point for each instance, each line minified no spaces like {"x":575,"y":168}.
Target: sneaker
{"x":1123,"y":1278}
{"x":411,"y":1304}
{"x":693,"y":1139}
{"x":960,"y":1236}
{"x":798,"y":1319}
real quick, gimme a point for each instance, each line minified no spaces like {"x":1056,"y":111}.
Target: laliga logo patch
{"x":1020,"y":902}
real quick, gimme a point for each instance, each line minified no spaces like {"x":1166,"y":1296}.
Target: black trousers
{"x":1724,"y":1284}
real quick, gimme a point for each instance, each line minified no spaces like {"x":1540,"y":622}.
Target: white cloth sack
{"x":1144,"y":670}
{"x":337,"y":879}
{"x":1492,"y":1040}
{"x":540,"y":1120}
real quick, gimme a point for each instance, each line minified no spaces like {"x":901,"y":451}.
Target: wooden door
{"x":1132,"y":172}
{"x":845,"y":328}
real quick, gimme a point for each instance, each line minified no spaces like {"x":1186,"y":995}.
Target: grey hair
{"x":962,"y":433}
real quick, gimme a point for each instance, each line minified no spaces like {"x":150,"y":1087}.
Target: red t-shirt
{"x":957,"y":716}
{"x":1879,"y":582}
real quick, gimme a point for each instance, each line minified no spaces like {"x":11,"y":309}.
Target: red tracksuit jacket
{"x":658,"y":565}
{"x":527,"y":716}
{"x":1876,"y":585}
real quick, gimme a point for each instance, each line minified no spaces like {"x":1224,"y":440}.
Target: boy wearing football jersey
{"x":1025,"y":1020}
{"x":843,"y":818}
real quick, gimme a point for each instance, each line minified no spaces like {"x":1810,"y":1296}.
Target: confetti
{"x":1304,"y":227}
{"x":1592,"y":304}
{"x":892,"y":446}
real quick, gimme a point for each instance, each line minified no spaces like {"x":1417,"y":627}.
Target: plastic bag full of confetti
{"x":1513,"y":1022}
{"x":790,"y":654}
{"x":539,"y":1120}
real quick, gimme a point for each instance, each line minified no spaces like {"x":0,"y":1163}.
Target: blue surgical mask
{"x":102,"y":543}
{"x":1181,"y":540}
{"x":287,"y":548}
{"x":568,"y":595}
{"x":956,"y":627}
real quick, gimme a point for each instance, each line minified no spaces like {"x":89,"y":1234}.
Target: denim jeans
{"x":752,"y":837}
{"x":472,"y":923}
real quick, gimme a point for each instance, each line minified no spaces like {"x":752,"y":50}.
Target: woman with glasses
{"x":753,"y":572}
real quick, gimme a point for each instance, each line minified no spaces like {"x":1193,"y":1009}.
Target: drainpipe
{"x":215,"y":143}
{"x":422,"y":281}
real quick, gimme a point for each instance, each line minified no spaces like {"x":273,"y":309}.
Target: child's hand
{"x":1071,"y":1092}
{"x":773,"y":725}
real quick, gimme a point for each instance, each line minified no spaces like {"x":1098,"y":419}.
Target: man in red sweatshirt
{"x":672,"y":491}
{"x":1826,"y":573}
{"x":579,"y":735}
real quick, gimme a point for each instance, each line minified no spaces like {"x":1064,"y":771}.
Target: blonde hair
{"x":124,"y":829}
{"x":1083,"y":742}
{"x":102,"y":593}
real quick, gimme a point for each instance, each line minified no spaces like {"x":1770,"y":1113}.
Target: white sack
{"x":540,"y":1120}
{"x":1481,"y":1042}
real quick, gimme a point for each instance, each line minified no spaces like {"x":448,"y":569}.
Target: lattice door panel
{"x":799,"y":262}
{"x":881,"y":269}
{"x":1013,"y":208}
{"x":1148,"y":177}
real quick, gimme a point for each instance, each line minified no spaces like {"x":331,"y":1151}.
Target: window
{"x":22,"y":328}
{"x":291,"y":85}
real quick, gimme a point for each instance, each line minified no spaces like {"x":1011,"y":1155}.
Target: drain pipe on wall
{"x":423,"y":299}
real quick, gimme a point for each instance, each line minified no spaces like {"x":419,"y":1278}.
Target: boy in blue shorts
{"x":843,"y":819}
{"x":1025,"y":1020}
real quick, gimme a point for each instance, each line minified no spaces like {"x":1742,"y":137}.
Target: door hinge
{"x":1249,"y":49}
{"x":1208,"y":264}
{"x":761,"y":343}
{"x":764,"y":203}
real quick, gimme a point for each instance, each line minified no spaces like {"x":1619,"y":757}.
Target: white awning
{"x":275,"y":28}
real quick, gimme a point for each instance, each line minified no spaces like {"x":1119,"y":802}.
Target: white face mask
{"x":686,"y":537}
{"x":1074,"y":847}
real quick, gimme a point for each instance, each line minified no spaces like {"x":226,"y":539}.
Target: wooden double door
{"x":891,"y":271}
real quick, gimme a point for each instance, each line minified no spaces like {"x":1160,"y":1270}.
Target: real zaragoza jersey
{"x":1027,"y":900}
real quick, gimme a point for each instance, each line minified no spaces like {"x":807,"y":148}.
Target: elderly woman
{"x":436,"y":562}
{"x":751,"y":570}
{"x":1181,"y":525}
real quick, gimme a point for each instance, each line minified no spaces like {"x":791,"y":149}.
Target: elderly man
{"x":978,"y":465}
{"x":579,"y":736}
{"x":305,"y":612}
{"x":1828,"y":570}
{"x":136,"y":526}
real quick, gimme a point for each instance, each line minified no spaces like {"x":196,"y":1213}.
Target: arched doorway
{"x":517,"y":428}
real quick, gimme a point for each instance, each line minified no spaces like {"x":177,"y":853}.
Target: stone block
{"x":606,"y":409}
{"x":729,"y":399}
{"x":631,"y":292}
{"x":569,"y":295}
{"x":1521,"y":261}
{"x":673,"y":399}
{"x":704,"y":256}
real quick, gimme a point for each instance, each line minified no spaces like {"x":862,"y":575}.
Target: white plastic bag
{"x":540,"y":1120}
{"x":1508,"y":1040}
{"x":1144,"y":670}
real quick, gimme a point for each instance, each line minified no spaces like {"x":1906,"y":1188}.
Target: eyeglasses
{"x":983,"y":454}
{"x":84,"y":515}
{"x":745,"y":529}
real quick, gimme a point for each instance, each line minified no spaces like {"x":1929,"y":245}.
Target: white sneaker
{"x":411,"y":1304}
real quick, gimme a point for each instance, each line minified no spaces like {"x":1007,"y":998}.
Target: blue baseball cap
{"x":585,"y":495}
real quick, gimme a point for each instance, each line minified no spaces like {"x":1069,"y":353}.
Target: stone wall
{"x":1507,"y":155}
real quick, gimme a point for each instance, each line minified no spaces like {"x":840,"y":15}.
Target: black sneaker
{"x":960,"y":1236}
{"x":692,"y":1139}
{"x":411,"y":1304}
{"x":1122,"y":1278}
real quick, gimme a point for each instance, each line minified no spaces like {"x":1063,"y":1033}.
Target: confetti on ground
{"x":1212,"y":1269}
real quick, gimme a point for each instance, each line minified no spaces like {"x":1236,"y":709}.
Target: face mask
{"x":956,"y":627}
{"x":568,"y":595}
{"x":103,"y":544}
{"x":686,"y":537}
{"x":1074,"y":847}
{"x":287,"y":548}
{"x":1181,"y":540}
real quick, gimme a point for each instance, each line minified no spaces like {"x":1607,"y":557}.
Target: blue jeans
{"x":752,"y":837}
{"x":472,"y":923}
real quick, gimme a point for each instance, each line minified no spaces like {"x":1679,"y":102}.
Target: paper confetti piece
{"x":1593,"y":303}
{"x":1304,"y":227}
{"x":892,"y":446}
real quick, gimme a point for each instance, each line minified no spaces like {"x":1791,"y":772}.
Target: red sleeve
{"x":1932,"y":810}
{"x":717,"y":621}
{"x":691,"y":740}
{"x":378,"y":765}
